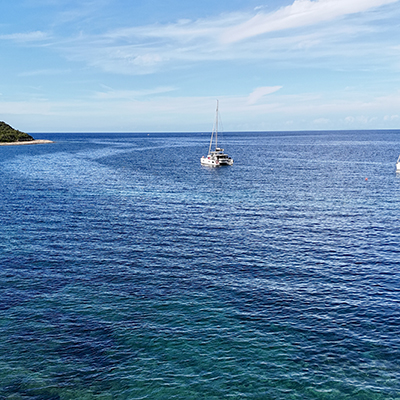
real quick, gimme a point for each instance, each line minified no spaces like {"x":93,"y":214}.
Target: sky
{"x":160,"y":65}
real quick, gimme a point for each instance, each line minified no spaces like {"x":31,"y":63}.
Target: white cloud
{"x":360,"y":120}
{"x":183,"y":31}
{"x":131,"y":94}
{"x":300,"y":13}
{"x":147,"y":59}
{"x":260,"y":92}
{"x":45,"y":72}
{"x":25,"y":37}
{"x":391,"y":117}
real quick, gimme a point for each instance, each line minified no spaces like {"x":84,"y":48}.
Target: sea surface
{"x":129,"y":271}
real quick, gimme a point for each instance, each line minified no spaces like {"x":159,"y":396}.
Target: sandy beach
{"x":27,"y":142}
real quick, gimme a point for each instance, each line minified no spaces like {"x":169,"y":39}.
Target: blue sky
{"x":159,"y":65}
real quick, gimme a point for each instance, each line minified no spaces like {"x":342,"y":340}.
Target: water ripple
{"x":129,"y":276}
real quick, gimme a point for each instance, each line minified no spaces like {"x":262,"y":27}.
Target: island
{"x":11,"y":136}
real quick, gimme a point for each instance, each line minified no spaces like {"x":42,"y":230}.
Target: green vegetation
{"x":9,"y":134}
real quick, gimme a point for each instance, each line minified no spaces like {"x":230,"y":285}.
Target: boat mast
{"x":216,"y":127}
{"x":212,"y":134}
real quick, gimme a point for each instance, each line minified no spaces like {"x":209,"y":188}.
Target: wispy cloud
{"x":260,"y":92}
{"x":149,"y":48}
{"x":44,"y":72}
{"x":26,"y":37}
{"x":111,"y":94}
{"x":300,"y":13}
{"x":359,"y":120}
{"x":391,"y":117}
{"x":146,"y":49}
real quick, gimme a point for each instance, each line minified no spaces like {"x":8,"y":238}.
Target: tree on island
{"x":9,"y":134}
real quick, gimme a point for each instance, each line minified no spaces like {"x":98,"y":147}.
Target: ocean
{"x":129,"y":271}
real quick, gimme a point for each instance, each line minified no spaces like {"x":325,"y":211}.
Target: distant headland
{"x":11,"y":136}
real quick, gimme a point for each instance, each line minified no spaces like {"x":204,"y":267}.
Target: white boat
{"x":398,"y":165}
{"x":217,"y":157}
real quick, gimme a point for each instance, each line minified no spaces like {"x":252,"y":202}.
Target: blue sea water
{"x":129,"y":271}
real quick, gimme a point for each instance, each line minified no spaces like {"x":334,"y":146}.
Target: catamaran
{"x":217,"y":157}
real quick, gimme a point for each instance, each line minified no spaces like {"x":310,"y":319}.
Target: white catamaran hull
{"x":212,"y":162}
